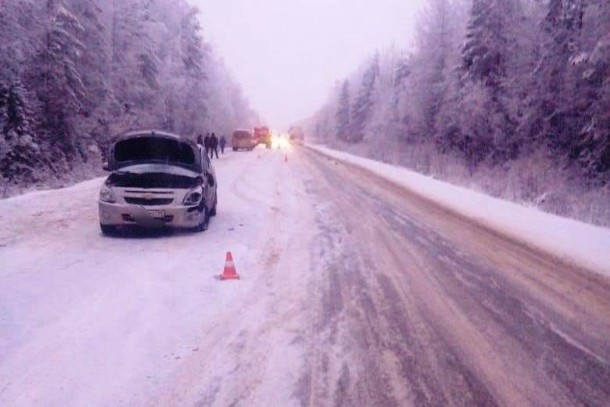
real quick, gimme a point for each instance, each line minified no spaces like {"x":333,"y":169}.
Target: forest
{"x":75,"y":73}
{"x":509,"y":97}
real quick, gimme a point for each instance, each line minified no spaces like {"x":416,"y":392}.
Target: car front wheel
{"x":204,"y":222}
{"x":108,"y":230}
{"x":213,"y":210}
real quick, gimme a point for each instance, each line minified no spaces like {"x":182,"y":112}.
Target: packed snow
{"x":92,"y":320}
{"x":572,"y":241}
{"x":144,"y":320}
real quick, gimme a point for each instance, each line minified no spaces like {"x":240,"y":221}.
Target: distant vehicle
{"x":263,"y":135}
{"x":296,"y":135}
{"x":157,"y":180}
{"x":280,"y":141}
{"x":243,"y":139}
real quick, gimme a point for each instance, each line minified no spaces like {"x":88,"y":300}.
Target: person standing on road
{"x":206,"y":144}
{"x":223,"y":143}
{"x":200,"y":140}
{"x":213,"y":146}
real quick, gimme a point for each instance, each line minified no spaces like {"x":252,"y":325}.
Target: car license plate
{"x":157,"y":213}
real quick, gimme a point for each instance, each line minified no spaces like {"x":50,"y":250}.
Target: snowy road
{"x":354,"y":293}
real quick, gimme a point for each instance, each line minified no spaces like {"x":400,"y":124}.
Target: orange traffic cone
{"x":229,"y":272}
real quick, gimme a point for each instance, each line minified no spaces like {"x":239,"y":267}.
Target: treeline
{"x":510,"y":96}
{"x":74,"y":73}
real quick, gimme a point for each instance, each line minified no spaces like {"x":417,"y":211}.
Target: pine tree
{"x":489,"y":130}
{"x":363,"y":104}
{"x":135,"y":65}
{"x":61,"y":91}
{"x":195,"y":51}
{"x":484,"y":53}
{"x":189,"y":100}
{"x":342,"y":116}
{"x":572,"y":98}
{"x":77,"y":72}
{"x":18,"y":149}
{"x":94,"y":68}
{"x":425,"y":95}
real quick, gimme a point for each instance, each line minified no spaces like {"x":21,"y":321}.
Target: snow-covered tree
{"x":513,"y":94}
{"x":18,"y":149}
{"x":74,"y":73}
{"x":342,"y":115}
{"x":570,"y":106}
{"x":94,"y":68}
{"x":488,"y":56}
{"x":60,"y":90}
{"x":135,"y":65}
{"x":188,"y":87}
{"x":432,"y":63}
{"x":363,"y":103}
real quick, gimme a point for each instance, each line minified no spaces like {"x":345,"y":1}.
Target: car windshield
{"x":154,"y":149}
{"x":241,"y":134}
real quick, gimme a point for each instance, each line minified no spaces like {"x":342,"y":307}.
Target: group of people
{"x":210,"y":142}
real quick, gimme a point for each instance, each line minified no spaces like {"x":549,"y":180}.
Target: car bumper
{"x":150,"y":217}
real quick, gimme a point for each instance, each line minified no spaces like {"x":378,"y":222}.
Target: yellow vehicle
{"x":243,"y":139}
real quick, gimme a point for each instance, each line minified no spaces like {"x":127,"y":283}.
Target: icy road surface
{"x":354,"y":292}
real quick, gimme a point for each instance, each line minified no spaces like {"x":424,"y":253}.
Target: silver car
{"x":158,"y":180}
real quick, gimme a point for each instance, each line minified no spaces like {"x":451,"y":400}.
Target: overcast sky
{"x":286,"y":54}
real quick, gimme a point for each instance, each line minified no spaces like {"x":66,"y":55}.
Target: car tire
{"x":108,"y":230}
{"x":204,"y":223}
{"x":213,"y":210}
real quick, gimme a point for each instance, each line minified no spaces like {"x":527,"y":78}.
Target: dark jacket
{"x":213,"y":141}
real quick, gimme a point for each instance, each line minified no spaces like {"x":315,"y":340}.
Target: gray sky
{"x":286,"y":54}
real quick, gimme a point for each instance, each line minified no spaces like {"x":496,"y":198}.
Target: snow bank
{"x":572,"y":241}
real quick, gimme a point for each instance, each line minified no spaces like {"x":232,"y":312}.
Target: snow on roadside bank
{"x":572,"y":241}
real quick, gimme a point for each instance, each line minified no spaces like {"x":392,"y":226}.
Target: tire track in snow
{"x":376,"y":331}
{"x":459,"y":320}
{"x":253,"y":348}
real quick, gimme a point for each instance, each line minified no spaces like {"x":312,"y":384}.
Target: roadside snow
{"x":87,"y":320}
{"x":572,"y":241}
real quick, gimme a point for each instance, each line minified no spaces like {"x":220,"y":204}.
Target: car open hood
{"x":150,"y":147}
{"x":154,"y":176}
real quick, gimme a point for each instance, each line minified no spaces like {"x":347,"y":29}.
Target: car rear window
{"x":154,"y":149}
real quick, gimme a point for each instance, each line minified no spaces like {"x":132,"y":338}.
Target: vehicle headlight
{"x":193,"y":197}
{"x":106,"y":195}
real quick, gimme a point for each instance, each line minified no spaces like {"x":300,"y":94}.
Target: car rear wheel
{"x":108,"y":230}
